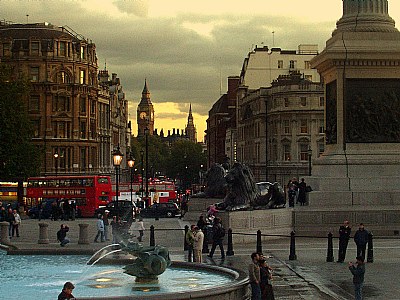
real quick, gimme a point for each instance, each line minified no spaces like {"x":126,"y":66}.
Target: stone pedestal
{"x":43,"y":233}
{"x":356,"y":178}
{"x":4,"y":237}
{"x":83,"y":234}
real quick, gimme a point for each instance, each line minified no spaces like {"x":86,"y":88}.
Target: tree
{"x":185,"y":162}
{"x":19,"y":157}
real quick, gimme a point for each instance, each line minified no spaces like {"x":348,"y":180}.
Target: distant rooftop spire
{"x":145,"y":94}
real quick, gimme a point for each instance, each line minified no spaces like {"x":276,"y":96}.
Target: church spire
{"x":145,"y":94}
{"x":190,"y":128}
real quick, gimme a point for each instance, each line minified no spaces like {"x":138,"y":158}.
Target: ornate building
{"x":69,"y":110}
{"x":191,"y":131}
{"x":145,"y":113}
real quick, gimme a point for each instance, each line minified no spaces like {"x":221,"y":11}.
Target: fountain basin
{"x":42,"y":276}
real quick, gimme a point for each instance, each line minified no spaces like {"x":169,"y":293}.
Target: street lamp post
{"x":142,"y":173}
{"x":309,"y":152}
{"x":146,"y":134}
{"x":117,"y":159}
{"x":131,"y":163}
{"x":56,"y":161}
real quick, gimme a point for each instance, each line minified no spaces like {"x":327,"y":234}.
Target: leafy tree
{"x":19,"y":157}
{"x":185,"y":162}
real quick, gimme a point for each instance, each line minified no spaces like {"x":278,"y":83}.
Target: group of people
{"x":297,"y":192}
{"x":10,"y":215}
{"x":66,"y":211}
{"x":260,"y":276}
{"x":194,"y":240}
{"x":361,"y":238}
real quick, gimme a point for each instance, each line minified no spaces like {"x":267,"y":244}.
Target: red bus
{"x":159,"y":191}
{"x":88,"y":192}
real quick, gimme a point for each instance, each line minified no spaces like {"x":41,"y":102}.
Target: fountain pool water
{"x":42,"y":277}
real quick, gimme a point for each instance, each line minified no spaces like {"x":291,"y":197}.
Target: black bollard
{"x":152,"y":238}
{"x":292,"y":255}
{"x":329,"y":255}
{"x":230,"y":251}
{"x":259,"y":244}
{"x":185,"y":245}
{"x":205,"y":242}
{"x":370,"y":253}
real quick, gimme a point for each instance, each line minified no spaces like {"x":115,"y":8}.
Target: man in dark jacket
{"x":358,"y":271}
{"x":62,"y":235}
{"x":66,"y":293}
{"x":218,"y":238}
{"x":344,"y":236}
{"x":361,"y":240}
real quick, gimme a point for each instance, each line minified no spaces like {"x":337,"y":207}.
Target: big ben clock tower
{"x":145,"y":112}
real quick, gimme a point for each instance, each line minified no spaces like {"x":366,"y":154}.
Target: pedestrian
{"x":10,"y":219}
{"x":302,"y":192}
{"x":66,"y":292}
{"x":254,"y":277}
{"x":100,"y":229}
{"x":361,"y":240}
{"x":140,"y":228}
{"x":66,"y":210}
{"x":184,"y":206}
{"x":40,"y":210}
{"x":16,"y":223}
{"x":267,"y":293}
{"x":292,"y":191}
{"x":198,"y":244}
{"x":189,"y":237}
{"x":201,"y":223}
{"x":106,"y":224}
{"x":115,"y":229}
{"x":3,"y":214}
{"x":344,"y":236}
{"x":73,"y":210}
{"x":218,"y":233}
{"x":62,"y":235}
{"x":358,"y":271}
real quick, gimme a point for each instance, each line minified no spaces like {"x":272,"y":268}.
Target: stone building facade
{"x":73,"y":115}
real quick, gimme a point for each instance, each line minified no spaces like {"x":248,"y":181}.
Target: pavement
{"x":308,"y":277}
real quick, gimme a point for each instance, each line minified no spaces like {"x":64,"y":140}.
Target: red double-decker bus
{"x":88,"y":192}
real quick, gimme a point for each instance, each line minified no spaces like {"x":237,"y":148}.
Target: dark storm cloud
{"x":180,"y":64}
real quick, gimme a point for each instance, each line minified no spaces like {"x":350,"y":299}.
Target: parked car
{"x":168,"y":209}
{"x":125,"y":209}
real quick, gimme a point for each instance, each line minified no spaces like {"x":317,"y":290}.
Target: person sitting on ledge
{"x":62,"y":235}
{"x":66,"y":293}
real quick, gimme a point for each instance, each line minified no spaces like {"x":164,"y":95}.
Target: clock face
{"x":142,"y":115}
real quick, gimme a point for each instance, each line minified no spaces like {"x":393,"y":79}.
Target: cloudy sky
{"x":185,"y":48}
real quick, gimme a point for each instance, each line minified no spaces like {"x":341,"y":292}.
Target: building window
{"x":292,"y":64}
{"x":34,"y":103}
{"x":308,"y":77}
{"x":83,"y":129}
{"x":286,"y":101}
{"x":82,"y":52}
{"x":304,"y":152}
{"x":82,"y":77}
{"x":280,"y":64}
{"x":286,"y":126}
{"x":61,"y":103}
{"x":321,"y":101}
{"x":62,"y":77}
{"x":93,"y":107}
{"x":6,"y":49}
{"x":286,"y":152}
{"x":82,"y":105}
{"x":307,"y":65}
{"x":92,"y":129}
{"x":34,"y":74}
{"x":35,"y":48}
{"x":63,"y":48}
{"x":303,"y":126}
{"x":83,"y":158}
{"x":62,"y":130}
{"x":36,"y":128}
{"x":303,"y":101}
{"x":321,"y":126}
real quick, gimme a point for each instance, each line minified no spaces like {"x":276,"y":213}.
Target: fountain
{"x":109,"y":275}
